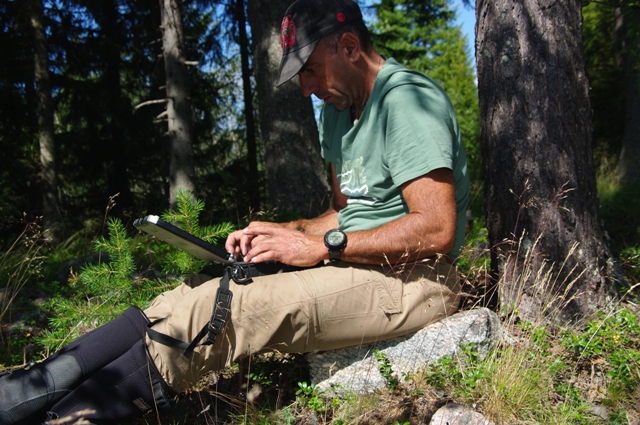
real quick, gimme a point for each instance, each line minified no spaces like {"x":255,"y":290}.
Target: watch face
{"x":335,"y":238}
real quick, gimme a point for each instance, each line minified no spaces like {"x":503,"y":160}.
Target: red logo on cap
{"x":288,"y":32}
{"x":340,"y":17}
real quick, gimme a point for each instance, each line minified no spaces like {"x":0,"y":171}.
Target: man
{"x":400,"y":194}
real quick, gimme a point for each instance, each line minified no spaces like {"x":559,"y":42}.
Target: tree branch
{"x":151,"y":102}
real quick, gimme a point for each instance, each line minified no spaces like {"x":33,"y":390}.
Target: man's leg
{"x":36,"y":389}
{"x":317,"y":309}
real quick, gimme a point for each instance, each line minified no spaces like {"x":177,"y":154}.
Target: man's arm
{"x":428,"y":229}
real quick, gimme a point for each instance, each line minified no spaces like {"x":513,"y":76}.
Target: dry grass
{"x":18,"y":264}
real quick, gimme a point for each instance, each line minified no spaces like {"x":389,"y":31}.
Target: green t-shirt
{"x":407,"y":129}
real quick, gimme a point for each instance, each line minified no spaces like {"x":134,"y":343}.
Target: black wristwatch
{"x":335,"y":240}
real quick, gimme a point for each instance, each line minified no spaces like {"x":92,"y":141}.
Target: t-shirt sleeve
{"x":329,"y":138}
{"x":420,"y":131}
{"x":324,"y":146}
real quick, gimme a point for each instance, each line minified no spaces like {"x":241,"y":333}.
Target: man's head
{"x":305,"y":23}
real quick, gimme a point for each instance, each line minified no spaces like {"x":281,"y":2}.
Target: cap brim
{"x":293,"y":62}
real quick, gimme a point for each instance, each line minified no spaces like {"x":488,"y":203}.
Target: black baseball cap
{"x":305,"y":22}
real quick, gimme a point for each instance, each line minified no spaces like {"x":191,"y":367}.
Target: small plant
{"x":260,"y":378}
{"x":186,"y":217}
{"x":102,"y":291}
{"x":287,"y":417}
{"x":20,"y":264}
{"x":308,"y":394}
{"x":611,"y":343}
{"x":386,"y":370}
{"x":111,"y":277}
{"x":459,"y":375}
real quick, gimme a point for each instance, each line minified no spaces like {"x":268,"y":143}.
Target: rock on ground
{"x":355,"y":369}
{"x":454,"y":414}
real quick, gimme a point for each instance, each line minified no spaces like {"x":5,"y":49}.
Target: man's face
{"x":326,"y":75}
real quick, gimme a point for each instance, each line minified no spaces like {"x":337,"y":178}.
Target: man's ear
{"x":350,"y":46}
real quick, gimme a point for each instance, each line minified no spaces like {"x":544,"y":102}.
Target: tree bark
{"x":115,"y":153}
{"x":629,"y":162}
{"x":252,"y":150}
{"x":181,"y":167}
{"x":118,"y":179}
{"x":296,"y":176}
{"x":540,"y":188}
{"x":51,"y":203}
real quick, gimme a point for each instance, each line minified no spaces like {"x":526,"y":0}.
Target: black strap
{"x":241,"y":273}
{"x":164,"y":339}
{"x":221,"y":308}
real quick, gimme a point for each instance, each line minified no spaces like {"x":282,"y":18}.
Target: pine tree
{"x":423,"y":36}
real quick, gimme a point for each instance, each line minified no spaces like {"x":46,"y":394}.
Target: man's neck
{"x":372,"y":65}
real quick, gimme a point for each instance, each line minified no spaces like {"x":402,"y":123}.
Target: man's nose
{"x":306,"y":85}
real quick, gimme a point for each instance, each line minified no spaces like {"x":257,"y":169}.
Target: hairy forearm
{"x":429,"y":229}
{"x":410,"y":238}
{"x":316,"y":226}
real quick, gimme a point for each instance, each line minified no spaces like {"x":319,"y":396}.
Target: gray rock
{"x":454,"y":414}
{"x":355,"y":369}
{"x":600,"y":411}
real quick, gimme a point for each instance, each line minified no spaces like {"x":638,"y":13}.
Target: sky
{"x":467,"y":18}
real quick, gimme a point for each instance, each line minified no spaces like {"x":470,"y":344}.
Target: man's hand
{"x":237,"y":243}
{"x":261,"y":241}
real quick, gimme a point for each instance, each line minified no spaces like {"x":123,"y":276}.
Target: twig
{"x":150,"y":102}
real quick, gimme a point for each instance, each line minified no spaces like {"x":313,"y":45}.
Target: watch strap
{"x":334,"y":256}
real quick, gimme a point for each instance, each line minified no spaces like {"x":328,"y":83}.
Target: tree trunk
{"x":540,"y":188}
{"x":51,"y":204}
{"x":181,"y":168}
{"x":629,"y":162}
{"x":252,"y":151}
{"x":118,"y":177}
{"x":296,"y":176}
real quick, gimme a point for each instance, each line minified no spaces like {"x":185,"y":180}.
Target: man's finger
{"x":233,"y":239}
{"x":259,"y":227}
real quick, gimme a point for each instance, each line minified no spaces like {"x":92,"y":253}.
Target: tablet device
{"x":177,"y":237}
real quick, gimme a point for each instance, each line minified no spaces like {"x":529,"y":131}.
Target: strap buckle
{"x":241,"y":274}
{"x":219,"y":316}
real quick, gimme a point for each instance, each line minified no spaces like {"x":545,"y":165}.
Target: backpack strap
{"x":242,"y":274}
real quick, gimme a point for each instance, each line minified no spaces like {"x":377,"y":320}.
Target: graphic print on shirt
{"x":353,"y":182}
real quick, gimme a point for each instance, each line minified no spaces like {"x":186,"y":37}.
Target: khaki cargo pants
{"x":318,"y":309}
